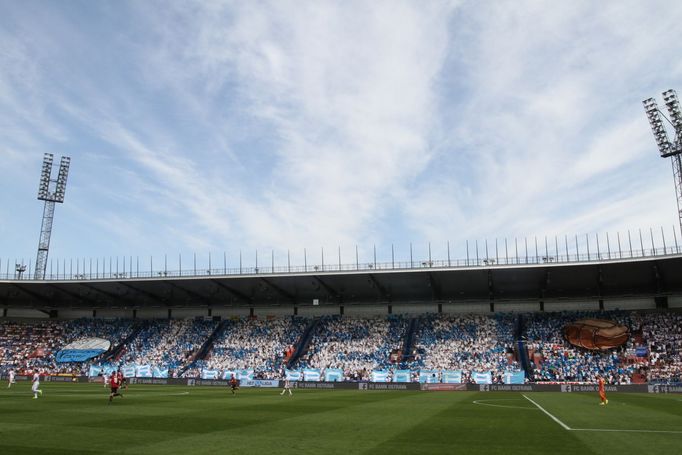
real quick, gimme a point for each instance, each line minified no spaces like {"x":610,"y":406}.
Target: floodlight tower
{"x":667,"y":148}
{"x":51,"y":191}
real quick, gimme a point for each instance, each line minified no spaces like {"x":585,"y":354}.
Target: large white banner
{"x":311,"y":374}
{"x":451,"y":376}
{"x":333,"y":375}
{"x":293,"y":375}
{"x":209,"y":374}
{"x":482,"y":377}
{"x":428,"y":376}
{"x":380,"y":375}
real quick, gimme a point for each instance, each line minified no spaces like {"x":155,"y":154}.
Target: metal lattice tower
{"x":51,"y":191}
{"x":666,"y":147}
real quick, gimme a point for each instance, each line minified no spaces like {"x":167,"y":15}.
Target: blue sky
{"x":216,"y":126}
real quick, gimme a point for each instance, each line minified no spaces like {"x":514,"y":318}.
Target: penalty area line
{"x":564,"y":426}
{"x":617,"y":430}
{"x":611,"y":430}
{"x":483,"y":403}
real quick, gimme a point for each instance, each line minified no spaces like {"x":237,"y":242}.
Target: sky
{"x":273,"y":126}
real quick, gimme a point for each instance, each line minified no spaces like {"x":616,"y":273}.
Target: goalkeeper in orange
{"x":602,"y":391}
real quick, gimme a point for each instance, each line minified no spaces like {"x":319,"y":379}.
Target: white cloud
{"x":348,"y":97}
{"x":306,"y":124}
{"x":551,"y":133}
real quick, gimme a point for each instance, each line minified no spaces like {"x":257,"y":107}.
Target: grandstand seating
{"x":253,"y":343}
{"x":33,"y":345}
{"x":357,"y":346}
{"x":554,"y":359}
{"x":661,"y":335}
{"x":170,"y":343}
{"x":470,"y":343}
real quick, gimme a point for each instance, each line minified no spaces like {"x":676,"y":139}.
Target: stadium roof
{"x":606,"y":279}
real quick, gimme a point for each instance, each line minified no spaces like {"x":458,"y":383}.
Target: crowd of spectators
{"x":168,"y":343}
{"x":27,"y":346}
{"x":470,"y":343}
{"x":661,"y":335}
{"x":357,"y":346}
{"x":554,"y":359}
{"x":251,"y":343}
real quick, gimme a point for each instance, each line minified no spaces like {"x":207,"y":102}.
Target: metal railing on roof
{"x":127,"y":269}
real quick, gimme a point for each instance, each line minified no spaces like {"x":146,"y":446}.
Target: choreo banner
{"x":83,"y":349}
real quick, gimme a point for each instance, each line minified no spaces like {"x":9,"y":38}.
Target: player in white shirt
{"x":11,"y":379}
{"x":287,"y":386}
{"x":36,"y":385}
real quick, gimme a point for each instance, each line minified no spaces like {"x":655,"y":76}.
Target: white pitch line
{"x":481,"y":403}
{"x":565,"y":427}
{"x":612,"y":430}
{"x":626,"y":431}
{"x":127,"y":395}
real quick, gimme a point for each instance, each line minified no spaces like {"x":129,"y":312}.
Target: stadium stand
{"x":259,"y":344}
{"x":357,"y":346}
{"x":33,"y":345}
{"x":170,"y":343}
{"x":660,"y":346}
{"x":466,"y":342}
{"x":554,"y":359}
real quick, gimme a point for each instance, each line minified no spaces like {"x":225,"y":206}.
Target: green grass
{"x":75,"y":418}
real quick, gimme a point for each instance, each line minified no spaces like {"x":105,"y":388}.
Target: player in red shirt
{"x":115,"y":383}
{"x":122,"y":381}
{"x":602,"y":391}
{"x":234,"y":385}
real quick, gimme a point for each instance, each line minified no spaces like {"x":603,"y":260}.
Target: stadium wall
{"x":108,"y":313}
{"x":365,"y":310}
{"x":152,"y":313}
{"x":227,"y":312}
{"x":277,"y":311}
{"x":430,"y":387}
{"x":466,"y":307}
{"x":72,"y":313}
{"x":517,"y":307}
{"x":188,"y":313}
{"x":675,"y":301}
{"x":321,"y":310}
{"x":414,"y":309}
{"x":26,"y":313}
{"x":572,"y":305}
{"x":630,"y":304}
{"x":356,"y":310}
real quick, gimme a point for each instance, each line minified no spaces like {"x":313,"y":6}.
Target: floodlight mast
{"x":666,"y":147}
{"x":51,"y":191}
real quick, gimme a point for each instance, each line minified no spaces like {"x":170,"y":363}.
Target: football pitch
{"x":76,"y":418}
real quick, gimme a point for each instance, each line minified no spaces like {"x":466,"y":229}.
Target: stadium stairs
{"x":303,"y":342}
{"x":205,"y":348}
{"x":408,"y":345}
{"x":120,"y":349}
{"x":520,"y":348}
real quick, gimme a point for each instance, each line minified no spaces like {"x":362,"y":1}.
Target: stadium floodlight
{"x":673,"y":105}
{"x":665,"y":147}
{"x":670,"y":98}
{"x":44,"y":186}
{"x":51,"y":191}
{"x":655,"y":117}
{"x":60,"y":189}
